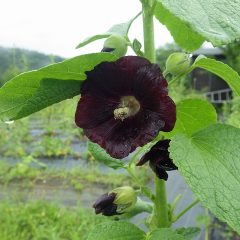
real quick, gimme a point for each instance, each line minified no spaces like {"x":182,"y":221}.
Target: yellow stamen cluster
{"x":128,"y":107}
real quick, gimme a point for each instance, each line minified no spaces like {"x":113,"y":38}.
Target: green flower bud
{"x":125,"y":199}
{"x":115,"y":44}
{"x":177,"y":63}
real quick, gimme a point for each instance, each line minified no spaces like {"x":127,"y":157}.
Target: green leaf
{"x":215,"y":20}
{"x":122,"y":28}
{"x":118,"y":29}
{"x":183,"y":35}
{"x":100,"y":154}
{"x":92,"y":39}
{"x":136,"y":45}
{"x":220,"y":69}
{"x":165,"y":234}
{"x":189,"y":233}
{"x":193,"y":115}
{"x":209,"y":161}
{"x":32,"y":91}
{"x":116,"y":231}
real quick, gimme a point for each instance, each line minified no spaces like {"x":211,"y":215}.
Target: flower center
{"x":128,"y":107}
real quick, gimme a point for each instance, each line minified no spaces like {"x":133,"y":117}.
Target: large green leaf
{"x":222,"y":70}
{"x":183,"y":35}
{"x":165,"y":234}
{"x":116,"y":231}
{"x":117,"y":29}
{"x":193,"y":115}
{"x":216,"y":20}
{"x":210,"y":163}
{"x":100,"y":155}
{"x":32,"y":91}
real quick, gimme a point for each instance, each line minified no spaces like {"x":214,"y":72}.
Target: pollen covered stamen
{"x":128,"y":107}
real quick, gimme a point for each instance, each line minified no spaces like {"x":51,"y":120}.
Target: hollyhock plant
{"x":124,"y":104}
{"x":159,"y":159}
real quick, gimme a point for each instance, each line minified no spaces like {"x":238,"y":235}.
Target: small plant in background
{"x":125,"y":107}
{"x":28,"y":167}
{"x":45,"y":221}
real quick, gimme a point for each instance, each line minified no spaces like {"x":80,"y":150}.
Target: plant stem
{"x":206,"y":236}
{"x":148,"y":30}
{"x":160,"y":214}
{"x":181,"y":75}
{"x":161,"y":206}
{"x":186,"y":210}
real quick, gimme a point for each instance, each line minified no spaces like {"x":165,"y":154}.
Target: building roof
{"x":209,"y":51}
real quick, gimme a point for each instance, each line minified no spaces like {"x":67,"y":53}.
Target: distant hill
{"x":15,"y":60}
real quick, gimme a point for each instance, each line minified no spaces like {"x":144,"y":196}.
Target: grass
{"x":45,"y":221}
{"x":78,"y":177}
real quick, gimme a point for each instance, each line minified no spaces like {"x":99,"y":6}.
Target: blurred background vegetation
{"x":48,"y":179}
{"x":14,"y":61}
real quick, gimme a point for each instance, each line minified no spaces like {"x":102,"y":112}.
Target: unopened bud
{"x":126,"y":198}
{"x":177,"y":63}
{"x":117,"y":202}
{"x":115,"y":44}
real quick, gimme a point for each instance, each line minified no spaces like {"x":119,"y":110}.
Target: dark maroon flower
{"x":124,"y":104}
{"x":159,"y":159}
{"x":105,"y":205}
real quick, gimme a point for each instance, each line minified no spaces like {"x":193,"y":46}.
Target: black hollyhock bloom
{"x":124,"y":104}
{"x":159,"y":159}
{"x":105,"y":205}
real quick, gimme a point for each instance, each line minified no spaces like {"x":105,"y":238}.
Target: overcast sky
{"x":57,"y":26}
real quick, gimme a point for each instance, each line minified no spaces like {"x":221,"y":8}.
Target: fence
{"x":219,"y":96}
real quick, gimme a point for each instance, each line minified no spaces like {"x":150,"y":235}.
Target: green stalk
{"x":186,"y":210}
{"x":160,"y":215}
{"x":148,"y":30}
{"x":161,"y":205}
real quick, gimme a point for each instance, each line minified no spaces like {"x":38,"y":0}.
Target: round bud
{"x":125,"y":199}
{"x":115,"y":44}
{"x":177,"y":63}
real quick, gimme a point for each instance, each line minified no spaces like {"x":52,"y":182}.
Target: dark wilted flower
{"x":159,"y":159}
{"x":124,"y":104}
{"x":105,"y":205}
{"x":117,"y":202}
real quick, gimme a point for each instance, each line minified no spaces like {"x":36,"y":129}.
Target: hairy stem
{"x":160,"y":215}
{"x":186,"y":210}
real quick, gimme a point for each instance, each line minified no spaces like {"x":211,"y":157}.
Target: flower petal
{"x":151,"y":90}
{"x":119,"y":138}
{"x":167,"y":112}
{"x":93,"y":111}
{"x":159,"y":159}
{"x":110,"y":210}
{"x":161,"y":173}
{"x":113,"y":79}
{"x":104,"y":200}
